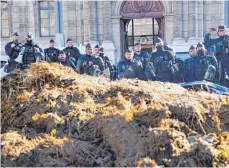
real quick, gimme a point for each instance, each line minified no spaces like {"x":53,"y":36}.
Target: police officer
{"x":130,"y":68}
{"x":144,"y":57}
{"x":163,"y":61}
{"x":222,"y":52}
{"x":202,"y":66}
{"x":62,"y":59}
{"x":89,"y":63}
{"x":12,"y":49}
{"x":51,"y":53}
{"x":107,"y":64}
{"x":172,"y":50}
{"x":96,"y":50}
{"x":187,"y":62}
{"x":177,"y":68}
{"x":177,"y":71}
{"x":29,"y":52}
{"x":71,"y":51}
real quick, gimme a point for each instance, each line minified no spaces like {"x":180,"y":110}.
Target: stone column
{"x":200,"y":19}
{"x":65,"y":18}
{"x":178,"y":35}
{"x":216,"y":14}
{"x":185,"y":19}
{"x":79,"y":10}
{"x":107,"y":43}
{"x":71,"y":10}
{"x":107,"y":20}
{"x":169,"y":22}
{"x":59,"y":36}
{"x":117,"y":35}
{"x":193,"y":22}
{"x":207,"y":16}
{"x":222,"y":12}
{"x":93,"y":27}
{"x":85,"y":16}
{"x":23,"y":18}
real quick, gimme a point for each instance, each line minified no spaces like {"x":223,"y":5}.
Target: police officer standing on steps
{"x":29,"y":52}
{"x":51,"y":53}
{"x":144,"y":57}
{"x":90,"y":64}
{"x":62,"y":59}
{"x":222,"y":52}
{"x":202,"y":67}
{"x":163,"y":61}
{"x":130,"y":68}
{"x":71,"y":51}
{"x":12,"y":49}
{"x":107,"y":65}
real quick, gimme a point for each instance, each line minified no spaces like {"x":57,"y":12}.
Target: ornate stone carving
{"x":71,"y":6}
{"x":71,"y":23}
{"x":215,"y":17}
{"x":141,"y":8}
{"x":22,"y":26}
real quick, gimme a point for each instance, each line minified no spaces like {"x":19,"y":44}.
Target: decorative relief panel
{"x":142,"y":9}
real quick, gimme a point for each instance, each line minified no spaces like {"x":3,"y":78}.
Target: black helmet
{"x":96,"y":46}
{"x":158,"y":40}
{"x":200,"y":44}
{"x":137,"y":44}
{"x":88,"y":45}
{"x":61,"y":52}
{"x":16,"y":34}
{"x":101,"y":49}
{"x":192,"y":47}
{"x":30,"y":35}
{"x":168,"y":48}
{"x":51,"y":41}
{"x":221,"y":27}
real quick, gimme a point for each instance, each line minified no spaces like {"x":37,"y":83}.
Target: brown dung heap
{"x":52,"y":116}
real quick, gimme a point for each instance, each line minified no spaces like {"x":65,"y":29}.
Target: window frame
{"x":7,"y":9}
{"x":153,"y":35}
{"x":49,"y":8}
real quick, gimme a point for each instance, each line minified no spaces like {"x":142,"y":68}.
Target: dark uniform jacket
{"x":163,"y":61}
{"x":90,"y":64}
{"x":130,"y":69}
{"x":222,"y":55}
{"x":72,"y":52}
{"x":51,"y":54}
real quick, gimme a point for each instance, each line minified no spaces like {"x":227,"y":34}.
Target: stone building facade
{"x":115,"y":25}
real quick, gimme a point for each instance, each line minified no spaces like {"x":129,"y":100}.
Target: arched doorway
{"x":142,"y":21}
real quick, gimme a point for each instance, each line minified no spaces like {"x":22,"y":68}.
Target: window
{"x":47,"y":18}
{"x":4,"y":19}
{"x":136,"y":33}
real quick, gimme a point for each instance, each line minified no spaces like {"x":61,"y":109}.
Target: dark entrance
{"x":142,"y":21}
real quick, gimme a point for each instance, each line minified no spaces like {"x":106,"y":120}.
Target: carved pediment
{"x":141,"y":8}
